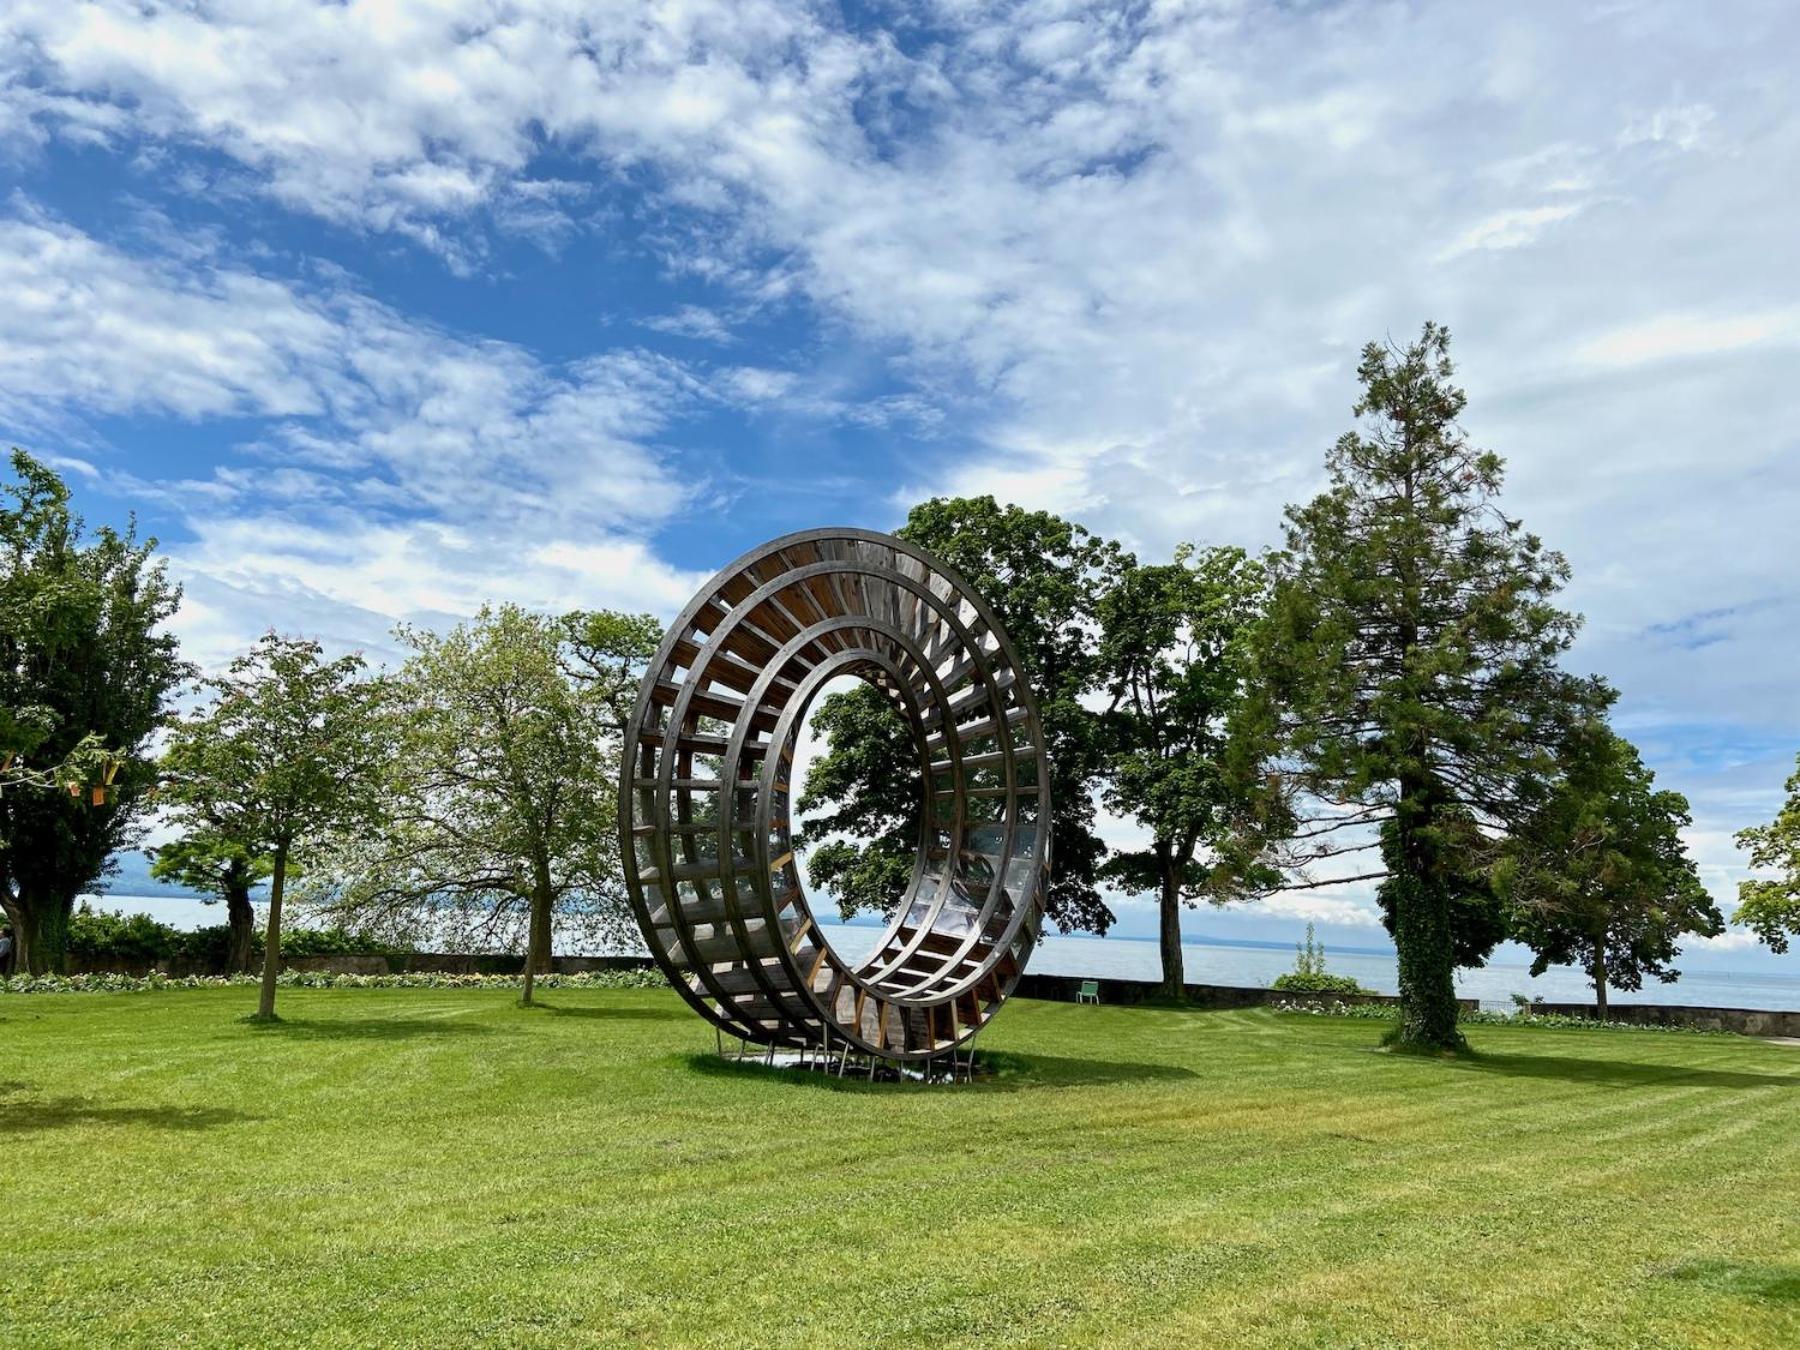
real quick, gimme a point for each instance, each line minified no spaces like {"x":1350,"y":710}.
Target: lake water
{"x":1256,"y":967}
{"x":1249,"y":967}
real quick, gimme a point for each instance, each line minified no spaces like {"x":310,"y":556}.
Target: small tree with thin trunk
{"x":286,"y":754}
{"x":1769,"y":904}
{"x":1173,"y":646}
{"x":499,"y":813}
{"x":1597,"y":876}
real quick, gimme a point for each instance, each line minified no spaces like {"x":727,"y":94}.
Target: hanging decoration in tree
{"x":706,"y":792}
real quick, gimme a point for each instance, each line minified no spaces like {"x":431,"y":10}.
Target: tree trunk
{"x":1597,"y":971}
{"x":1422,"y":938}
{"x":537,"y":945}
{"x":240,"y":918}
{"x":40,"y":933}
{"x":265,"y":1007}
{"x":1174,"y":973}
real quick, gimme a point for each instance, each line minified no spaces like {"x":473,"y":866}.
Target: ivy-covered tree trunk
{"x":1423,"y":940}
{"x":265,"y":1007}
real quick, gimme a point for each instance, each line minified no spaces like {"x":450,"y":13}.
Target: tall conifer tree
{"x":1408,"y":671}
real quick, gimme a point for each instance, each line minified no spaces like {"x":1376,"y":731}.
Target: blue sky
{"x":375,"y":311}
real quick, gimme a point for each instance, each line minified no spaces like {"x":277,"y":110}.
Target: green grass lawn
{"x":420,"y":1165}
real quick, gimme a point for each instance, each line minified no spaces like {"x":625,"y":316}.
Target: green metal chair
{"x":1089,"y":992}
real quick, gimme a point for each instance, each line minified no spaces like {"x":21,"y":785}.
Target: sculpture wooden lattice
{"x":705,"y":794}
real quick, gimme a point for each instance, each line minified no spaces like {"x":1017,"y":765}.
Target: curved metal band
{"x":705,"y":797}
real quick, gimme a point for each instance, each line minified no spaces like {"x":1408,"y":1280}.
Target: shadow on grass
{"x":21,"y":1114}
{"x":1618,"y":1073}
{"x":614,"y":1014}
{"x":996,"y":1071}
{"x":373,"y":1029}
{"x":1747,"y":1279}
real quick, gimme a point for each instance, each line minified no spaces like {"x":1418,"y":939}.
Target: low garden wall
{"x":449,"y":963}
{"x":1055,"y":988}
{"x":1744,"y":1021}
{"x":1063,"y":989}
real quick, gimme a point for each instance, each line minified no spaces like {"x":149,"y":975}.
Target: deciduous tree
{"x":1770,"y":905}
{"x":207,"y":859}
{"x":1043,"y":577}
{"x":287,"y":753}
{"x":1597,"y":875}
{"x":1174,"y":648}
{"x":87,"y":668}
{"x":499,"y":812}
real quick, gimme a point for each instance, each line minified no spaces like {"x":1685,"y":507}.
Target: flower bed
{"x":325,"y":979}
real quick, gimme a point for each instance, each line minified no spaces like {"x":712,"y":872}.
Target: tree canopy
{"x":1770,"y":905}
{"x":498,"y":808}
{"x":206,"y":858}
{"x":87,"y":668}
{"x":1597,"y":875}
{"x":1043,"y":577}
{"x":284,"y":756}
{"x":1174,"y":650}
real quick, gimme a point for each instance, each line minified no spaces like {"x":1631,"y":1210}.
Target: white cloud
{"x":404,"y":118}
{"x":1733,"y":940}
{"x":399,"y":467}
{"x":1307,"y":907}
{"x":693,"y":321}
{"x":1668,"y":337}
{"x":1512,"y":228}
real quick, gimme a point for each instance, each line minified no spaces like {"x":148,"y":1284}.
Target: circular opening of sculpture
{"x":712,"y":771}
{"x":875,"y":781}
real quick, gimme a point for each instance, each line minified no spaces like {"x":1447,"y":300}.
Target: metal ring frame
{"x":705,"y":793}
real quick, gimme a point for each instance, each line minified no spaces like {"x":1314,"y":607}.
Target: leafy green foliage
{"x":87,"y":668}
{"x":1598,"y":876}
{"x":1408,"y":674}
{"x":1042,"y":576}
{"x":98,"y":937}
{"x":1770,"y":905}
{"x":1309,"y":975}
{"x":101,"y":938}
{"x":869,"y":786}
{"x":209,"y":860}
{"x":1464,"y":868}
{"x":286,"y":754}
{"x":605,"y":651}
{"x":1173,"y":649}
{"x":498,"y":809}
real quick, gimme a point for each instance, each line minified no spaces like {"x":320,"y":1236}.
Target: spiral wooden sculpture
{"x":705,"y":794}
